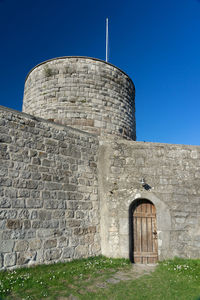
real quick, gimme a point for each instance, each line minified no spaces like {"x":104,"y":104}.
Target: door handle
{"x":155,"y":234}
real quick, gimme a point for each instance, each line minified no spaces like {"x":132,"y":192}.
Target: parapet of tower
{"x":82,"y":92}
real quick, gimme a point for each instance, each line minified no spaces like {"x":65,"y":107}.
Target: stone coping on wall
{"x":153,"y":144}
{"x":57,"y":125}
{"x":114,"y":138}
{"x":81,"y":57}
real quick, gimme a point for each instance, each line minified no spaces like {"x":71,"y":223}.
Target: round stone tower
{"x":82,"y":92}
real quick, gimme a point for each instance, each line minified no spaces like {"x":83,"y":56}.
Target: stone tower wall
{"x":84,"y":93}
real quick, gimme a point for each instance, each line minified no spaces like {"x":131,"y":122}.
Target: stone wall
{"x":49,"y":209}
{"x":172,"y":177}
{"x":66,"y":194}
{"x":84,"y":93}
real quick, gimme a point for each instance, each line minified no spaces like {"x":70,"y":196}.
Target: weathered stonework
{"x":48,"y":191}
{"x":67,"y":193}
{"x":84,"y":93}
{"x":171,"y":173}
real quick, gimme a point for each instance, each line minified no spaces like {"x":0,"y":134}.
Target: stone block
{"x":96,"y":248}
{"x":36,"y":161}
{"x":62,"y":195}
{"x":50,"y":244}
{"x":35,"y":244}
{"x":194,"y":154}
{"x":68,"y":252}
{"x":63,"y":242}
{"x":18,"y":203}
{"x":73,"y":223}
{"x":23,"y":193}
{"x":5,"y":203}
{"x":46,"y":162}
{"x":6,"y":246}
{"x":24,"y":214}
{"x":46,"y":177}
{"x":34,"y":203}
{"x":19,"y":183}
{"x":30,"y":234}
{"x":3,"y":171}
{"x":81,"y":251}
{"x":58,"y":214}
{"x":44,"y":215}
{"x":69,"y":187}
{"x":21,"y":246}
{"x":32,"y":153}
{"x":27,"y":257}
{"x":8,"y":214}
{"x":85,"y":205}
{"x":46,"y":195}
{"x":26,"y":224}
{"x":54,"y":204}
{"x":46,"y":232}
{"x":53,"y":186}
{"x":31,"y":184}
{"x":5,"y":139}
{"x":36,"y":224}
{"x":14,"y":224}
{"x":36,"y":176}
{"x":9,"y":259}
{"x":16,"y":234}
{"x":73,"y":196}
{"x":69,"y":214}
{"x":6,"y":234}
{"x":50,"y":224}
{"x":79,"y":215}
{"x":34,"y":215}
{"x":53,"y":254}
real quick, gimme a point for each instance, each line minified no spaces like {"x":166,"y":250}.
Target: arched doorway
{"x":143,"y":233}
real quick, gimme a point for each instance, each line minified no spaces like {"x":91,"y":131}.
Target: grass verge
{"x":176,"y":279}
{"x":61,"y":279}
{"x":87,"y":279}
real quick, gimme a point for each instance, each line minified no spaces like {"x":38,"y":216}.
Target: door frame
{"x":133,"y":206}
{"x":163,"y":218}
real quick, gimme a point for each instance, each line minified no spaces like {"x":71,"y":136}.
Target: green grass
{"x":174,"y":279}
{"x":50,"y":281}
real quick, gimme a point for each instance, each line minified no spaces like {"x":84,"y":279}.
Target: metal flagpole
{"x":106,"y":39}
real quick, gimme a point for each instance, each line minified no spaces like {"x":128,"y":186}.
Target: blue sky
{"x":156,"y":42}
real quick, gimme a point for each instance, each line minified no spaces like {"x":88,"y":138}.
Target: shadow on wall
{"x":131,"y":240}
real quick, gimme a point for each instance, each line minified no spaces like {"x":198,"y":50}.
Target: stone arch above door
{"x":163,"y":222}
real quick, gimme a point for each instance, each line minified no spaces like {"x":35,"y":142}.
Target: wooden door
{"x":145,"y":243}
